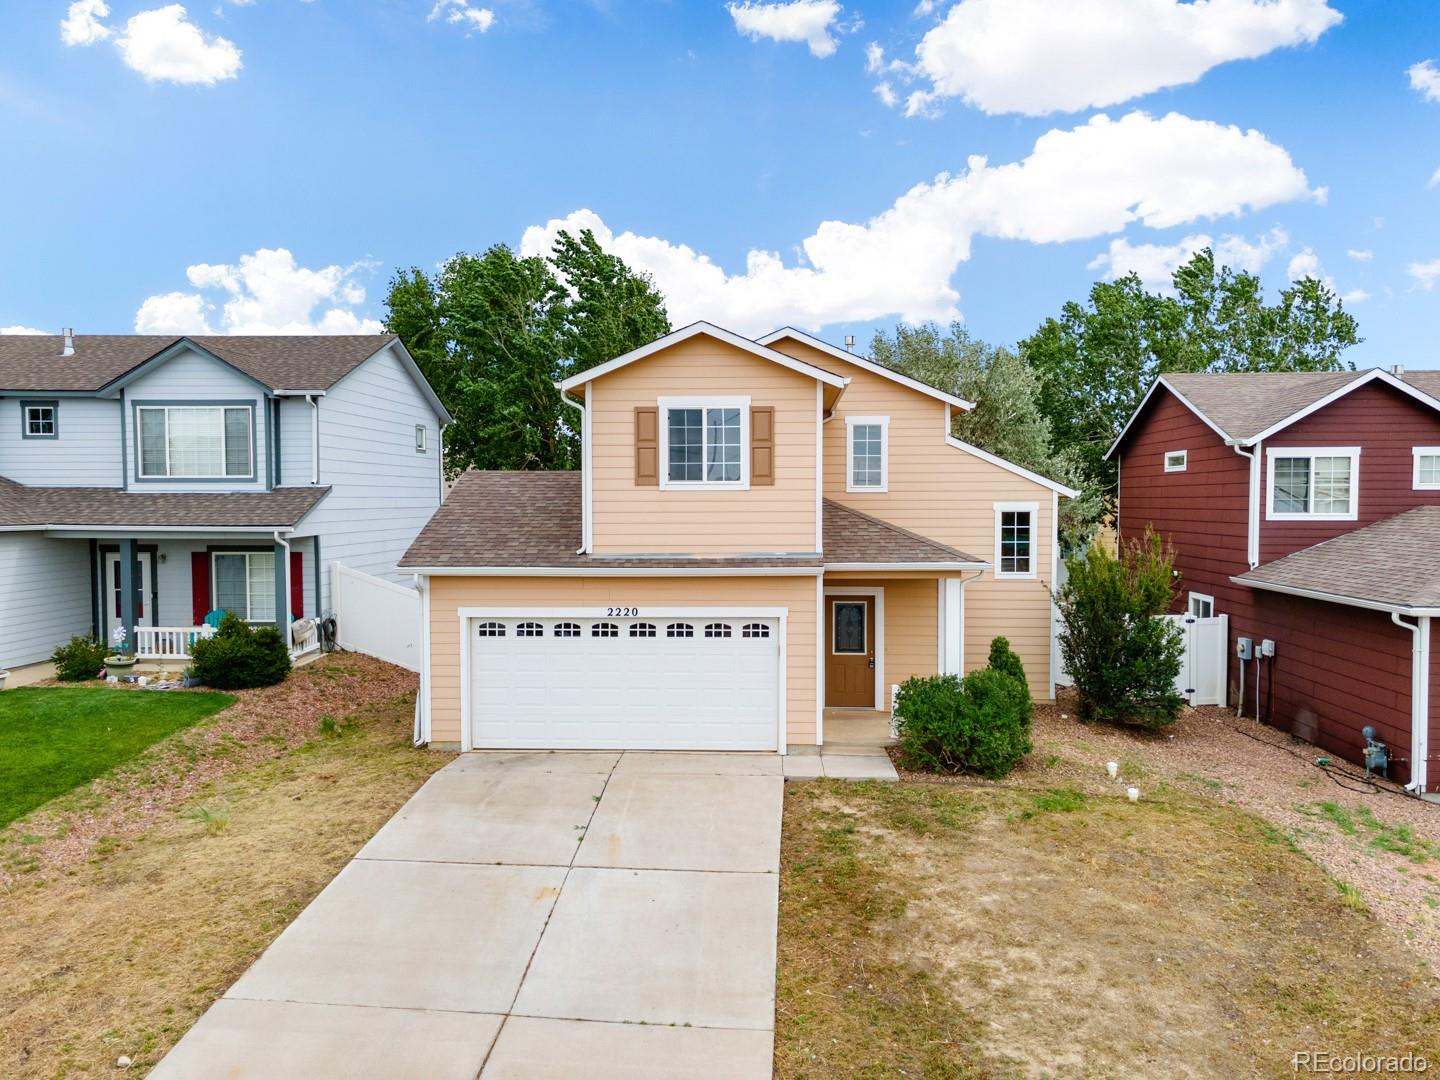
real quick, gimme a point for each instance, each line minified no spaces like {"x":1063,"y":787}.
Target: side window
{"x":420,"y":438}
{"x":867,"y":453}
{"x":1015,"y":539}
{"x":1202,"y":606}
{"x":1427,"y":468}
{"x":40,"y":419}
{"x":1177,"y":460}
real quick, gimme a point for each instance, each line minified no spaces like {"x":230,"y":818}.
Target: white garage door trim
{"x":469,"y":614}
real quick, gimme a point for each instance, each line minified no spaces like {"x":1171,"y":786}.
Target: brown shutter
{"x":762,"y":445}
{"x":647,"y":445}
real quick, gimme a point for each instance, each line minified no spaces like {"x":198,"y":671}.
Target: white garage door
{"x":691,"y":683}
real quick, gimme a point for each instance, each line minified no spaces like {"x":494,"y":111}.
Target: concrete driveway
{"x":530,"y":915}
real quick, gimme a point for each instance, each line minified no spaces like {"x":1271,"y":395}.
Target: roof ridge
{"x":898,"y":529}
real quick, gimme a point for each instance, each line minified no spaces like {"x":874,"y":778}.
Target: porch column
{"x":129,"y":593}
{"x":282,"y":592}
{"x":953,"y":621}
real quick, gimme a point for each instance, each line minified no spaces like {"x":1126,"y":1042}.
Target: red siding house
{"x":1306,"y":507}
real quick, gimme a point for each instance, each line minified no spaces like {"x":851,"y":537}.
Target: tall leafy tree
{"x":1096,"y":360}
{"x":1006,"y":419}
{"x":493,"y":332}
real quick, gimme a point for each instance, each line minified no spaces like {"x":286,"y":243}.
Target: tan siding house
{"x":763,"y":532}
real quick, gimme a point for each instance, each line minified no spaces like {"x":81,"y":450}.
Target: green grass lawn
{"x":54,"y":739}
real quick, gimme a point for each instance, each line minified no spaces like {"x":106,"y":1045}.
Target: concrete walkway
{"x":530,"y":915}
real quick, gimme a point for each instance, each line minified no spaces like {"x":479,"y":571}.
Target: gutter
{"x":1336,"y":598}
{"x":1419,"y":699}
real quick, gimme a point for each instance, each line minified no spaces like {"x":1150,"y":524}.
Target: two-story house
{"x":761,"y":531}
{"x":148,"y":482}
{"x":1305,"y":506}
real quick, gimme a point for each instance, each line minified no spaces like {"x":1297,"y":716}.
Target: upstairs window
{"x":1177,"y":460}
{"x":1015,"y":539}
{"x":1427,"y":468}
{"x":40,"y":419}
{"x":704,"y":441}
{"x":420,"y":438}
{"x":1320,"y":483}
{"x":866,"y":453}
{"x":195,"y":442}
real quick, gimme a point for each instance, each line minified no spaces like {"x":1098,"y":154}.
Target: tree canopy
{"x":493,"y":333}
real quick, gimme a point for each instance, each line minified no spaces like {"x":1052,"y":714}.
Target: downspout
{"x":421,"y":734}
{"x":584,"y":466}
{"x":1252,"y":524}
{"x":1419,"y":699}
{"x":442,"y":461}
{"x":314,"y":440}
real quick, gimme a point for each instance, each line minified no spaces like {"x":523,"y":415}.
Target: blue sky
{"x":267,"y":165}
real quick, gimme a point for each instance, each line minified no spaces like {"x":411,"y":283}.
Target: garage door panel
{"x":623,"y":688}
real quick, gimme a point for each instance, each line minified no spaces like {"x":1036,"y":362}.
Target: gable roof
{"x":34,"y":362}
{"x":1393,"y":565}
{"x":25,"y":507}
{"x":856,"y":540}
{"x":829,"y":378}
{"x":866,"y":364}
{"x":1246,"y":407}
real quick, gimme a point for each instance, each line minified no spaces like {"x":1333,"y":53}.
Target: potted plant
{"x":188,"y":678}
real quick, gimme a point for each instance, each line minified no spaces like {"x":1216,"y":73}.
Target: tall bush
{"x":1122,"y":658}
{"x":980,"y":723}
{"x":1003,"y":658}
{"x":240,"y":656}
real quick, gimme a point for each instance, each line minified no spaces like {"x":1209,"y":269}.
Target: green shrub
{"x":977,"y":724}
{"x":240,"y":656}
{"x":81,"y":658}
{"x":1003,"y":658}
{"x":1122,"y":659}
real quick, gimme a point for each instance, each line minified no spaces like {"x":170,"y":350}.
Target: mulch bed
{"x":262,"y":725}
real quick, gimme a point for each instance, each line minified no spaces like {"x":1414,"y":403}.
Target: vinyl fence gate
{"x":1203,"y":668}
{"x":375,"y":616}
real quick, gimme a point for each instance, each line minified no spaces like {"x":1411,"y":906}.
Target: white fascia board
{"x":614,"y":571}
{"x":720,"y":334}
{"x":866,"y":364}
{"x":1159,"y":382}
{"x":1373,"y":375}
{"x":131,"y":530}
{"x":1333,"y":598}
{"x":1010,"y":466}
{"x":943,"y":566}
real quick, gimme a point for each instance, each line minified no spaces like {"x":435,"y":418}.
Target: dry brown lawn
{"x":120,"y":952}
{"x":946,"y":931}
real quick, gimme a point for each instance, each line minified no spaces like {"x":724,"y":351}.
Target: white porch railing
{"x":174,"y":642}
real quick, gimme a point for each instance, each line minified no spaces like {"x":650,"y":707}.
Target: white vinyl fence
{"x":375,"y":616}
{"x":1202,"y":678}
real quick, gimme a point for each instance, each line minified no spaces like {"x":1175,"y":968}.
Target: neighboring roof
{"x":516,"y":520}
{"x":22,"y":506}
{"x":34,"y":362}
{"x":1246,"y":407}
{"x":720,"y":334}
{"x":865,"y":363}
{"x":1393,"y":564}
{"x":853,"y":538}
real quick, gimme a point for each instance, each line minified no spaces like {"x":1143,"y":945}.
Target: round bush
{"x":241,"y":656}
{"x":80,"y":658}
{"x":977,"y":724}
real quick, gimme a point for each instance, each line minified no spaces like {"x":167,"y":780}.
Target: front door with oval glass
{"x":850,"y":656}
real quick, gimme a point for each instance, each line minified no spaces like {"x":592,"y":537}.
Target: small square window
{"x":420,"y":438}
{"x":40,"y":419}
{"x":1176,"y":460}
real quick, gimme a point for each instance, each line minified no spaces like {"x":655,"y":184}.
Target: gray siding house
{"x":146,"y":482}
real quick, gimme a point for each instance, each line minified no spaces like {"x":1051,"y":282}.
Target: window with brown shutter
{"x":762,"y":445}
{"x":647,"y":445}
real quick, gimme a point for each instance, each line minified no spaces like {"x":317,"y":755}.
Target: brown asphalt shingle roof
{"x":519,"y":519}
{"x":34,"y":362}
{"x":282,"y":508}
{"x":1245,"y":404}
{"x":1394,"y":562}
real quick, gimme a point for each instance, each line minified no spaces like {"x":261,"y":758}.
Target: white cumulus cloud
{"x":163,"y":45}
{"x":1037,"y":56}
{"x":265,"y":292}
{"x":807,"y":21}
{"x":1425,"y":79}
{"x":1363,"y":255}
{"x":1434,"y":179}
{"x":1425,"y":273}
{"x":82,"y":25}
{"x":1087,"y":182}
{"x":1156,"y":263}
{"x":1305,"y":263}
{"x":20,"y":330}
{"x":475,"y":20}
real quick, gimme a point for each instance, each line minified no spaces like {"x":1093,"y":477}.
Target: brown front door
{"x":850,"y":652}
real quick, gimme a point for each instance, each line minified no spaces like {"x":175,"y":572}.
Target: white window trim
{"x":141,"y":474}
{"x":1194,"y":596}
{"x":1417,"y":452}
{"x":1311,"y":452}
{"x":1034,"y":510}
{"x":249,"y":601}
{"x":668,"y":403}
{"x":1184,"y":456}
{"x":883,"y":422}
{"x":421,"y":438}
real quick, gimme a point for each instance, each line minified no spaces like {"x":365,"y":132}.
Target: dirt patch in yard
{"x":120,"y":952}
{"x":949,"y":930}
{"x":262,"y":725}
